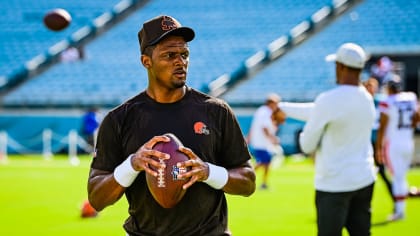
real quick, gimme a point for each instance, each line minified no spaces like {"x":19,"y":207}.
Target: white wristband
{"x":125,"y":174}
{"x":218,"y":176}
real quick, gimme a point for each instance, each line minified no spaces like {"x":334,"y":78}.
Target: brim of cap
{"x":185,"y":32}
{"x":331,"y":57}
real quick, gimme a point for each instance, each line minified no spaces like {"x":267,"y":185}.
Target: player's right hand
{"x":146,"y":156}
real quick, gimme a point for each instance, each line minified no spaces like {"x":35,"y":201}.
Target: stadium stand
{"x":382,"y":27}
{"x":24,"y":37}
{"x":111,"y":68}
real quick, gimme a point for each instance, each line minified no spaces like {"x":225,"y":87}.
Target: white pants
{"x":400,"y":157}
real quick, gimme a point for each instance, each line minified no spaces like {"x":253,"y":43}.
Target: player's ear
{"x":146,"y":61}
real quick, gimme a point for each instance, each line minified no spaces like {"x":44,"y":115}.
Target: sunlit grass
{"x":43,"y":197}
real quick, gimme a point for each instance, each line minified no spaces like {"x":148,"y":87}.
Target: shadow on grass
{"x":381,"y":223}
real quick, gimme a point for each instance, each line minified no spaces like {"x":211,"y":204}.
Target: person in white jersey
{"x":398,"y":119}
{"x":262,"y":136}
{"x":338,"y":130}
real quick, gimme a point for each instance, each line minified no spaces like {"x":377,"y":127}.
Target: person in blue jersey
{"x":90,"y":124}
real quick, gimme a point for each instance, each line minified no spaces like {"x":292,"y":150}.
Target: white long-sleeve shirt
{"x":297,"y":110}
{"x":339,"y":130}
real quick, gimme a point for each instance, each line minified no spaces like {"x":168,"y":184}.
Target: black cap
{"x":156,"y":29}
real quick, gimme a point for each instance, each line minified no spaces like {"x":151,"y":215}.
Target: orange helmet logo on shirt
{"x":201,"y":128}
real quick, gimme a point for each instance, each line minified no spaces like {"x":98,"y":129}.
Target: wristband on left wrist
{"x":218,"y":176}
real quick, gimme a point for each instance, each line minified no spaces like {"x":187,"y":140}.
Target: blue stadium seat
{"x":390,"y":25}
{"x":226,"y":34}
{"x":23,"y":35}
{"x":224,"y":40}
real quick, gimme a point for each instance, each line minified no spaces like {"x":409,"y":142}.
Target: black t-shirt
{"x":205,"y":124}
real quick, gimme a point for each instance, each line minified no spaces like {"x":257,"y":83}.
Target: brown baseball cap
{"x":154,"y":30}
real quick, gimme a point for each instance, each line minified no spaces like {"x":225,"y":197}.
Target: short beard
{"x":179,"y":84}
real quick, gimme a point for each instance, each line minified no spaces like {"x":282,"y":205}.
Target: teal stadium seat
{"x":227,"y":33}
{"x":300,"y":75}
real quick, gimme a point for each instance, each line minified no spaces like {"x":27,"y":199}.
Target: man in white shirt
{"x":398,"y":118}
{"x":339,"y":131}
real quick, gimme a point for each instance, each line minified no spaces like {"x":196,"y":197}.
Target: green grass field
{"x":43,"y":197}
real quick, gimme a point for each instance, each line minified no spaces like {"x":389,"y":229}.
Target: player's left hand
{"x":199,"y":169}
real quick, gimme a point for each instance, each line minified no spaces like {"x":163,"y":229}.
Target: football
{"x":166,"y":188}
{"x":87,"y":210}
{"x":57,"y":19}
